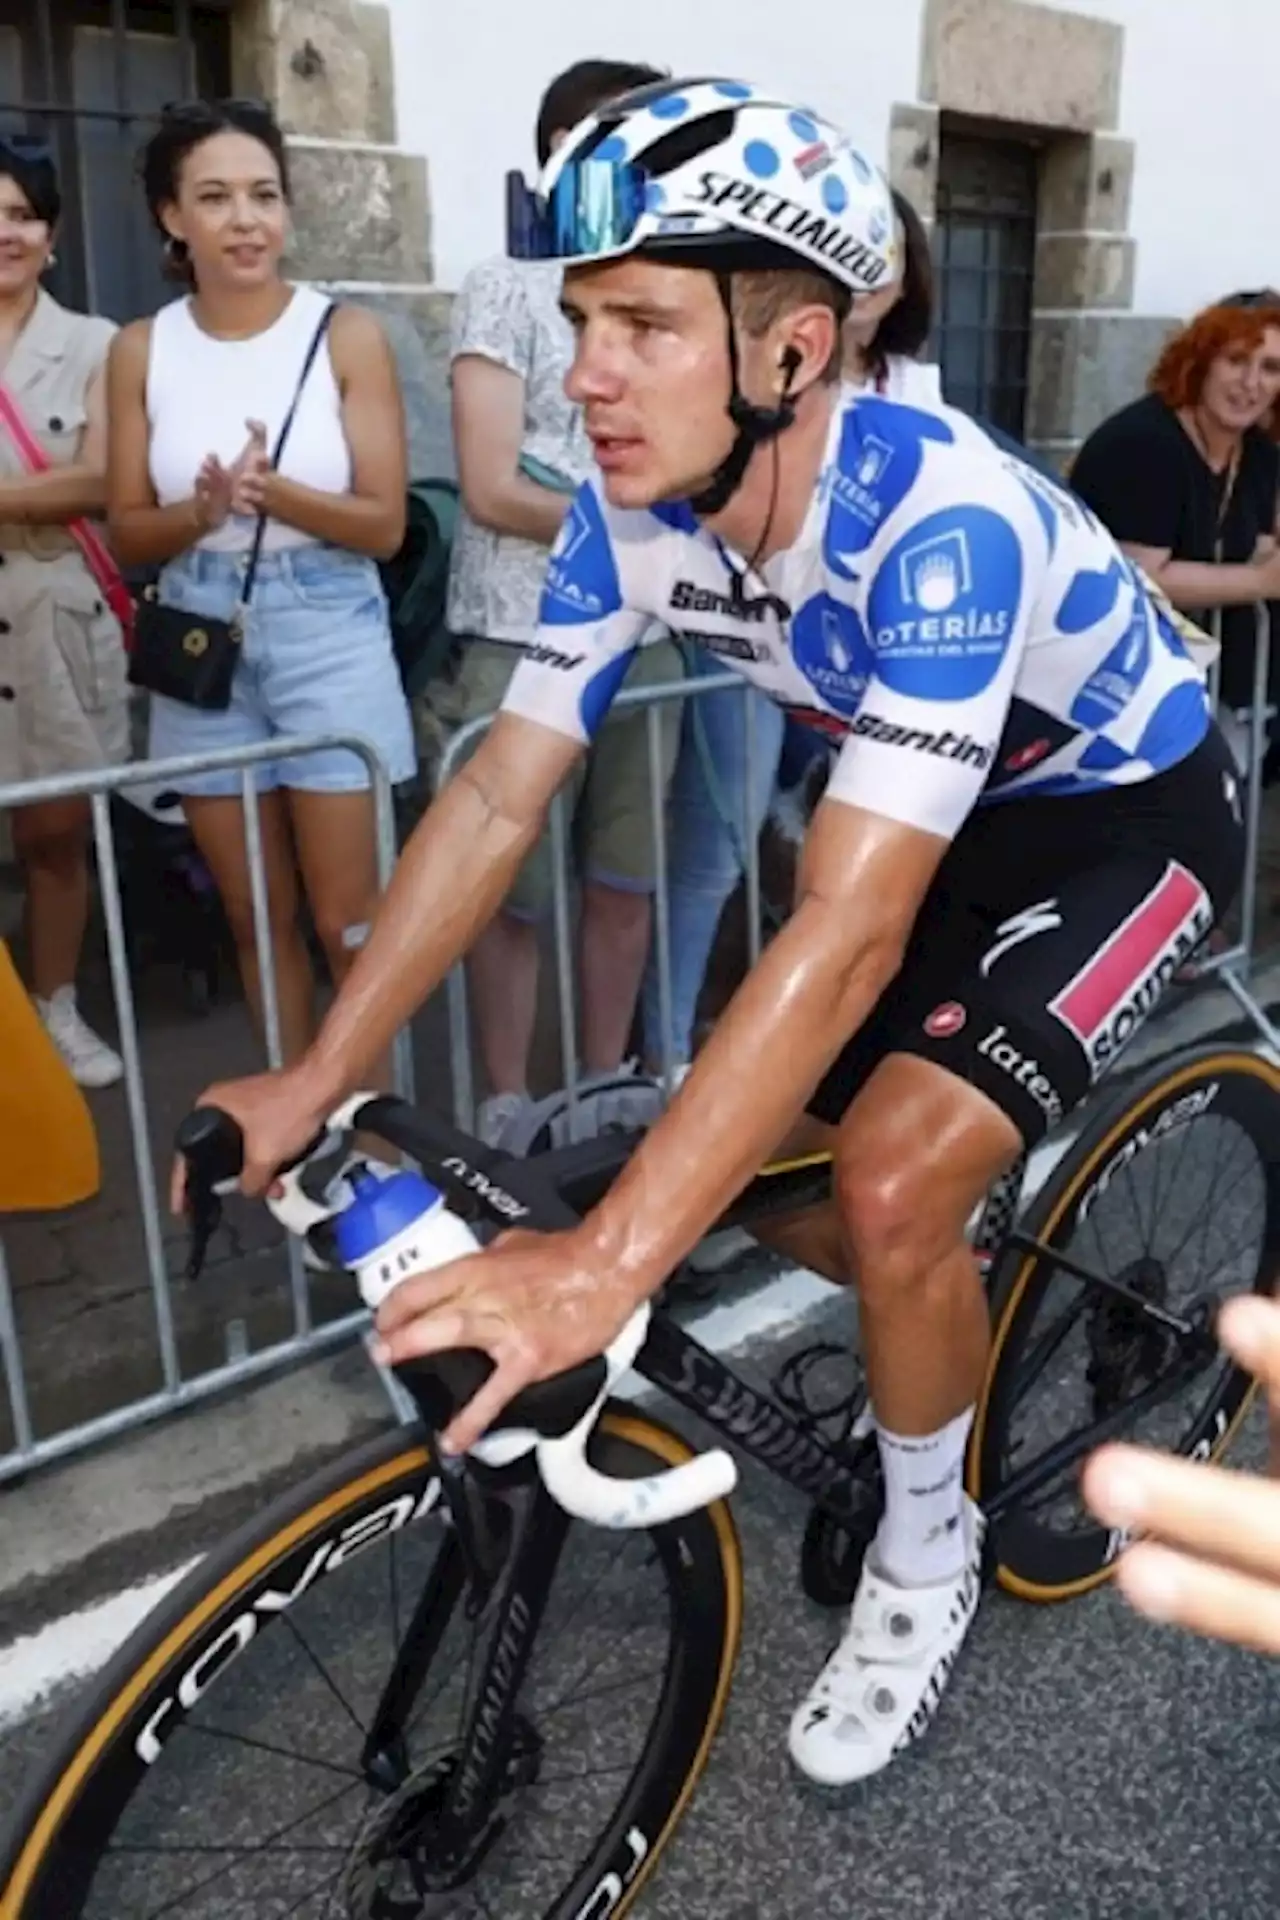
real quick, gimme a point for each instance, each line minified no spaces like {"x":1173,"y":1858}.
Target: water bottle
{"x":397,"y":1225}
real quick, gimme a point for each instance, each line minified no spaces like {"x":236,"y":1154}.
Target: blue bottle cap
{"x":379,"y":1211}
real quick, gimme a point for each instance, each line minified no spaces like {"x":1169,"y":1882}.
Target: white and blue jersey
{"x":964,"y":626}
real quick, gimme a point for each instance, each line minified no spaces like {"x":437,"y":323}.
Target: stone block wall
{"x":361,"y":205}
{"x":1054,"y":76}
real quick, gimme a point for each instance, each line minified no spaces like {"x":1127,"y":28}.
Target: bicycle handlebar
{"x":475,"y":1180}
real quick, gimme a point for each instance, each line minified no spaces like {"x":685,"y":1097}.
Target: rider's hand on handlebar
{"x":278,"y":1114}
{"x":536,"y":1303}
{"x":1210,"y":1556}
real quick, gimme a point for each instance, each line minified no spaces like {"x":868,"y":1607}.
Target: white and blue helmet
{"x":710,"y":168}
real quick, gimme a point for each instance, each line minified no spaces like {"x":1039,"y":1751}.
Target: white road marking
{"x":75,"y":1646}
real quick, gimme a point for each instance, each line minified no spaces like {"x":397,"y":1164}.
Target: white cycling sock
{"x":921,"y":1540}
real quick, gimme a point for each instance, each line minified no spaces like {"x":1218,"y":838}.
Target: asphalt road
{"x":1086,"y":1766}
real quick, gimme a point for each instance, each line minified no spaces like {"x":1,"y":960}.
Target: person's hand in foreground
{"x":1209,"y":1556}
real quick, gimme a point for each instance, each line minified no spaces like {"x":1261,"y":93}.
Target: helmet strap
{"x":756,"y":425}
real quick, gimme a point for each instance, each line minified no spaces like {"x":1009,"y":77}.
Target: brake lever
{"x":204,"y":1217}
{"x":212,"y":1145}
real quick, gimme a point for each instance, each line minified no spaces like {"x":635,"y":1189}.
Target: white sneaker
{"x":92,"y":1063}
{"x":882,"y":1686}
{"x":495,"y":1115}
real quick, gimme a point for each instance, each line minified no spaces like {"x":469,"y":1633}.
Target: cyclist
{"x":1031,"y":823}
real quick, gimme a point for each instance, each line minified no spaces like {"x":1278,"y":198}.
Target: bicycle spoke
{"x":1174,"y":1179}
{"x":586,"y":1773}
{"x":1051,"y":1340}
{"x":1137,"y":1208}
{"x":1207,"y":1218}
{"x":575,"y":1610}
{"x":277,"y":1753}
{"x":334,"y":1689}
{"x":610,"y":1646}
{"x":312,"y":1893}
{"x":350,"y":1851}
{"x":210,"y":1880}
{"x":599,"y":1693}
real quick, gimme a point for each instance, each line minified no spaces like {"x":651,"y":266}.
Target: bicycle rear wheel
{"x":216,"y":1773}
{"x":1174,"y":1191}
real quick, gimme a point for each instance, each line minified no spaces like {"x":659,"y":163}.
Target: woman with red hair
{"x":1187,"y":478}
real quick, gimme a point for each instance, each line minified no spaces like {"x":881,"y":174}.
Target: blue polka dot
{"x":671,"y":108}
{"x":835,"y":195}
{"x":761,"y":159}
{"x":802,"y":126}
{"x":614,"y":147}
{"x":655,"y":196}
{"x":733,"y":90}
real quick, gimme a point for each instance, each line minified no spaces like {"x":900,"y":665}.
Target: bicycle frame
{"x":673,"y":1361}
{"x":503,"y":1569}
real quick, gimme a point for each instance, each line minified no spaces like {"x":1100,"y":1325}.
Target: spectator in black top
{"x":1187,"y":478}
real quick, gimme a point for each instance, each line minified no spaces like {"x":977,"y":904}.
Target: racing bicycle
{"x":416,"y":1688}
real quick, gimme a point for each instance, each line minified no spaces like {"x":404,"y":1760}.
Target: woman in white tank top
{"x":197,"y":397}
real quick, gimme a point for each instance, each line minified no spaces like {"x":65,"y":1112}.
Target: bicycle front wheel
{"x":217,"y":1771}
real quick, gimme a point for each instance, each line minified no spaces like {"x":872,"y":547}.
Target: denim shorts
{"x":317,"y":658}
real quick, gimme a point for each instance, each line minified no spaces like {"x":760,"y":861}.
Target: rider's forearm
{"x":811,"y":989}
{"x":450,"y":881}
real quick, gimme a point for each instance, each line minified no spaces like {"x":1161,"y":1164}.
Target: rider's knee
{"x":888,"y":1222}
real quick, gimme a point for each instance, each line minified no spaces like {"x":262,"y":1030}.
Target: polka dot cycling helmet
{"x":710,"y":167}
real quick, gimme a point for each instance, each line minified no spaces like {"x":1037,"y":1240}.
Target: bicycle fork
{"x":501,"y":1575}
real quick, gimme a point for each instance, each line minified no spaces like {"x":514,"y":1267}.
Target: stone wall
{"x":1044,"y":71}
{"x":362,"y":206}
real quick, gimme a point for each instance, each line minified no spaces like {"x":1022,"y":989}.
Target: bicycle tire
{"x":1033,"y":1562}
{"x":59,"y":1834}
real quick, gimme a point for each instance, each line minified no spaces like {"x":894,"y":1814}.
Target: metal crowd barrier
{"x":651,"y":699}
{"x":306,"y":1339}
{"x":1235,"y":967}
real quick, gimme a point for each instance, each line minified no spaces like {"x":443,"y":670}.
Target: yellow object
{"x":48,"y":1143}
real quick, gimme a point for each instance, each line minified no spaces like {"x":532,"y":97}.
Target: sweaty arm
{"x":488,"y":427}
{"x":370,"y":519}
{"x":452,"y":877}
{"x":914,"y":763}
{"x":66,"y":493}
{"x":142,"y":533}
{"x":466,"y":851}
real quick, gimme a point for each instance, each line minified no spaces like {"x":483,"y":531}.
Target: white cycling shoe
{"x":882,"y":1686}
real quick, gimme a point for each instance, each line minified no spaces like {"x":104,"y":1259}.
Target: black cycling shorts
{"x":1050,"y":931}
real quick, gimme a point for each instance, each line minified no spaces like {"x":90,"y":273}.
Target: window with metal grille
{"x":985,"y":244}
{"x":91,"y":76}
